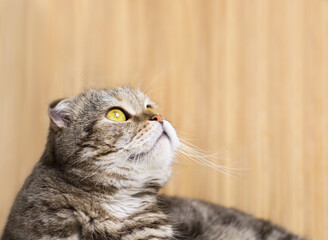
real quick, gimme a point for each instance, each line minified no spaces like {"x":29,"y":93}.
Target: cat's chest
{"x":130,"y":231}
{"x":121,"y":207}
{"x":100,"y":223}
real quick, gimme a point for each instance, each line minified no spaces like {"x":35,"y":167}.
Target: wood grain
{"x":249,"y":77}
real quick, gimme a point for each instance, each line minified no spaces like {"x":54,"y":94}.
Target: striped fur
{"x":199,"y":220}
{"x":98,"y":180}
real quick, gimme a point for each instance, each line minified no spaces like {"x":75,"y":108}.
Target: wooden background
{"x":249,"y":77}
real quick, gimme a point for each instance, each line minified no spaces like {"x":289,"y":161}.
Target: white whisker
{"x":199,"y":156}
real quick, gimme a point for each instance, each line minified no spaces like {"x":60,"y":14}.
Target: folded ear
{"x":60,"y":113}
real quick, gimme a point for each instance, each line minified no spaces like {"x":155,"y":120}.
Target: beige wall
{"x":246,"y":76}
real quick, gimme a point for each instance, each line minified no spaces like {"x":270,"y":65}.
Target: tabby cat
{"x":108,"y":153}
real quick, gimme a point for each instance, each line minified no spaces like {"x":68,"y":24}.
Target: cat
{"x":107,"y":155}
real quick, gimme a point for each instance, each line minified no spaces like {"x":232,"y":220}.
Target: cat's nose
{"x":156,"y":117}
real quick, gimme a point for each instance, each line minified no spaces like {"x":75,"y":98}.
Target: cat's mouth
{"x":163,"y":135}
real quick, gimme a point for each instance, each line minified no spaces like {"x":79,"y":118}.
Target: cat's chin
{"x":145,"y":153}
{"x":171,"y":134}
{"x":160,"y":155}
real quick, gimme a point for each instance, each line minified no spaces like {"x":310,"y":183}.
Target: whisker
{"x":199,"y":156}
{"x":206,"y":158}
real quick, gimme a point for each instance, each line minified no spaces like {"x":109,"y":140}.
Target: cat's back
{"x":200,"y":220}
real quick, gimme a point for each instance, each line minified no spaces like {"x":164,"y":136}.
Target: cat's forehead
{"x":132,"y":100}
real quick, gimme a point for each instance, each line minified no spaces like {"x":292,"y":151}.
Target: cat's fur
{"x":98,"y":179}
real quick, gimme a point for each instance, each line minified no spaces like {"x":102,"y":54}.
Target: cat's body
{"x":50,"y":208}
{"x":199,"y":220}
{"x":106,"y":157}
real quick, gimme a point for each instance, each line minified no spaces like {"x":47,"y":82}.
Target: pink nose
{"x":156,"y":117}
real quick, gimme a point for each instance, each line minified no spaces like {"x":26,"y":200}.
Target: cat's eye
{"x":149,"y":108}
{"x":116,"y":115}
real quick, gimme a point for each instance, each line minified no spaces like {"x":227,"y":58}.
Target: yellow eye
{"x":150,"y":109}
{"x":116,"y":115}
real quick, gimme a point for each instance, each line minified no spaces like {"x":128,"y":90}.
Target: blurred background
{"x":247,"y":79}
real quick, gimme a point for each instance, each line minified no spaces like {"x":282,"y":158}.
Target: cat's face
{"x":108,"y":132}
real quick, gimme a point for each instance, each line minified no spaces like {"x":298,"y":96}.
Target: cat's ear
{"x":60,"y":113}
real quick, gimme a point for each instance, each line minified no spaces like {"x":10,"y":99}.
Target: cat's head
{"x":111,"y":135}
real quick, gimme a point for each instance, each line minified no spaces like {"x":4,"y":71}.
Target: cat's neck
{"x":120,"y":194}
{"x":124,"y":204}
{"x":136,"y":196}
